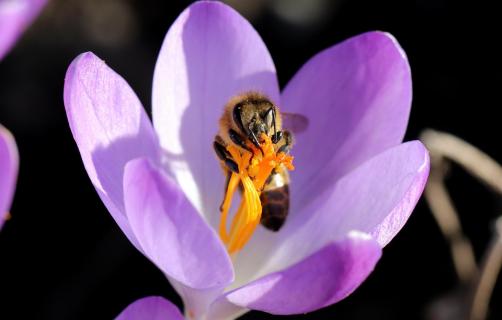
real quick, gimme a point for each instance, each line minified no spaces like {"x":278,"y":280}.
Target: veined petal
{"x":210,"y":54}
{"x":151,"y":308}
{"x":325,"y":277}
{"x":15,"y":17}
{"x":171,"y":232}
{"x":110,"y":128}
{"x":9,"y":162}
{"x":377,"y":198}
{"x":357,"y":96}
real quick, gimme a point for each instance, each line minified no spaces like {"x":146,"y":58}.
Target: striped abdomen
{"x":275,"y":200}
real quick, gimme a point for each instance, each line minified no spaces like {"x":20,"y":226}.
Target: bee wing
{"x":295,"y":122}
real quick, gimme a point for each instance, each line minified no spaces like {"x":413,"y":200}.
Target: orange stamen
{"x":227,"y":202}
{"x":254,"y":169}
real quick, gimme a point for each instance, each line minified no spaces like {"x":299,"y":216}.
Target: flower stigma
{"x":254,"y":169}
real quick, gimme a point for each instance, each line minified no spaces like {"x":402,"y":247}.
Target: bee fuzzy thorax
{"x":254,"y":168}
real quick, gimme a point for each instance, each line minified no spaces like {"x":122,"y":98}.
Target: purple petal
{"x":325,"y":277}
{"x":357,"y":96}
{"x":110,"y":128}
{"x":377,"y":198}
{"x":210,"y":54}
{"x":171,"y":232}
{"x":151,"y":308}
{"x":9,"y":162}
{"x":15,"y":17}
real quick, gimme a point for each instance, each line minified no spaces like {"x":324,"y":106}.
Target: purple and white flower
{"x":9,"y":162}
{"x":15,"y":17}
{"x":354,"y":187}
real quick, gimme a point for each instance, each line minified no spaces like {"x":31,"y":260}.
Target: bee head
{"x":255,"y":118}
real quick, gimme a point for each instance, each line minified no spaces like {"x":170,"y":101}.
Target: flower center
{"x":254,"y":169}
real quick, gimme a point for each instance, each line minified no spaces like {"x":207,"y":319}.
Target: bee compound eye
{"x":237,"y":115}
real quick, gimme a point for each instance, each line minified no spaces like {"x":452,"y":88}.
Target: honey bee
{"x":245,"y":119}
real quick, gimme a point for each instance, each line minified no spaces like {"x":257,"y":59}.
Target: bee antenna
{"x":254,"y":140}
{"x":273,"y":120}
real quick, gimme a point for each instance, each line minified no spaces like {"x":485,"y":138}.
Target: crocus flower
{"x":9,"y":161}
{"x":15,"y":17}
{"x":354,"y":186}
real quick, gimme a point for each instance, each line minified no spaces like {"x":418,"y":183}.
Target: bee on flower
{"x":353,"y":186}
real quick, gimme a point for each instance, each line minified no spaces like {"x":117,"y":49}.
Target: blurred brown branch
{"x":475,"y":161}
{"x":443,"y":148}
{"x":489,"y":273}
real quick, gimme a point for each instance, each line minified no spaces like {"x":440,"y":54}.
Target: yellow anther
{"x":254,"y":169}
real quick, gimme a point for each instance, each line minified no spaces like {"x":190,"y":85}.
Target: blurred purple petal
{"x":15,"y":17}
{"x":9,"y":162}
{"x":171,"y":232}
{"x":210,"y":54}
{"x":357,"y":96}
{"x":110,"y":128}
{"x":325,"y":277}
{"x":151,"y":308}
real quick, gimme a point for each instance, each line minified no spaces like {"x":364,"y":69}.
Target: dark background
{"x":63,"y":257}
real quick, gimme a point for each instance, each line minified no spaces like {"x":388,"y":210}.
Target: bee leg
{"x":288,"y":142}
{"x":221,"y":151}
{"x":237,"y":139}
{"x":277,"y":137}
{"x":232,"y":165}
{"x":225,"y":156}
